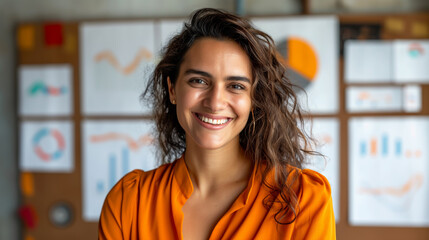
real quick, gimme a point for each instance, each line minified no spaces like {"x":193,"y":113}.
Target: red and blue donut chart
{"x":42,"y":154}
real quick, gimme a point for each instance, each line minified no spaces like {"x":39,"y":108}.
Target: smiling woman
{"x":231,"y":150}
{"x":212,"y":92}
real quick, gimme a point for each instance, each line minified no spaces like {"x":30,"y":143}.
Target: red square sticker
{"x":53,"y":34}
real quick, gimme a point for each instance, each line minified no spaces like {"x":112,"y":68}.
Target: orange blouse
{"x":148,"y":205}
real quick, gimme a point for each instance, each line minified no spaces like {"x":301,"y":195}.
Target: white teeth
{"x":212,"y":121}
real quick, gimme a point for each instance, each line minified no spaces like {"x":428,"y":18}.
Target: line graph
{"x":109,"y":56}
{"x":113,"y":148}
{"x":388,"y":171}
{"x":134,"y":145}
{"x":117,"y":59}
{"x":43,"y":88}
{"x":415,"y":182}
{"x":119,"y":160}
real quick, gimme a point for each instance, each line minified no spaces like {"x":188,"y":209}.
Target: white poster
{"x":45,"y":90}
{"x":111,"y":149}
{"x":309,"y":47}
{"x":411,"y":61}
{"x":368,"y":61}
{"x":46,"y":146}
{"x":374,"y":99}
{"x":388,"y":171}
{"x":168,"y":29}
{"x":116,"y":62}
{"x":375,"y":61}
{"x":412,"y":98}
{"x":326,"y":132}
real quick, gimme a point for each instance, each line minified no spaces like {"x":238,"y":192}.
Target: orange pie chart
{"x":300,"y":58}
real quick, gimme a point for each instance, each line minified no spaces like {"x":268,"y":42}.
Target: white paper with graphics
{"x":116,"y":61}
{"x":45,"y":90}
{"x":388,"y":171}
{"x":411,"y":61}
{"x":110,"y":150}
{"x":46,"y":146}
{"x":412,"y":98}
{"x":326,"y":132}
{"x":309,"y":47}
{"x":374,"y":99}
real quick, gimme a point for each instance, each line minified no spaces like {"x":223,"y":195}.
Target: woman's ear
{"x":171,"y":92}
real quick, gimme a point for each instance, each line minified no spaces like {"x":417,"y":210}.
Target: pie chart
{"x":300,"y":58}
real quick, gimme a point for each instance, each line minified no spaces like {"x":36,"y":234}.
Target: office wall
{"x":14,"y":11}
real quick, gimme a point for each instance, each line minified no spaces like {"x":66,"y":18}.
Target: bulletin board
{"x":368,"y":28}
{"x":54,"y":203}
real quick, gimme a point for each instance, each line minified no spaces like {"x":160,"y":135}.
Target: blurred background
{"x":71,"y":123}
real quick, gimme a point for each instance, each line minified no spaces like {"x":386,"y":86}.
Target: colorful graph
{"x":41,"y":87}
{"x":46,"y":146}
{"x":374,"y":99}
{"x":111,"y":149}
{"x":117,"y":59}
{"x":410,"y":61}
{"x":123,"y":158}
{"x":59,"y":140}
{"x":134,"y":145}
{"x":388,"y":171}
{"x":46,"y":90}
{"x":109,"y":56}
{"x":416,"y":50}
{"x":384,"y":146}
{"x":300,"y":58}
{"x":414,"y":183}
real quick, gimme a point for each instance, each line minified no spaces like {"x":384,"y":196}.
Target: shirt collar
{"x":183,"y":178}
{"x":184,"y":181}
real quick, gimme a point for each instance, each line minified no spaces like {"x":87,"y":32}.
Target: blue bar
{"x":384,"y":145}
{"x":398,"y":146}
{"x":362,"y":148}
{"x":100,"y":186}
{"x":112,"y":171}
{"x":125,"y":160}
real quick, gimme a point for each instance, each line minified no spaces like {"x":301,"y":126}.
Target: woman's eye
{"x":197,"y":80}
{"x":237,"y":87}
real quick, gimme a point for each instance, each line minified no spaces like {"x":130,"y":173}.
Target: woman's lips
{"x":213,"y":122}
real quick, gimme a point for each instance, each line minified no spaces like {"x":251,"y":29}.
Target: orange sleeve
{"x":315,"y":218}
{"x":116,"y":214}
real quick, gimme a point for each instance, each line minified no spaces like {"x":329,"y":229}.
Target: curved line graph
{"x":45,"y":89}
{"x":108,"y":56}
{"x":134,"y":145}
{"x":414,"y":183}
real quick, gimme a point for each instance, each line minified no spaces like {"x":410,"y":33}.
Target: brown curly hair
{"x":272,"y":135}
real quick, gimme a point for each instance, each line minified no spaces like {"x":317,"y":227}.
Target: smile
{"x":217,"y":121}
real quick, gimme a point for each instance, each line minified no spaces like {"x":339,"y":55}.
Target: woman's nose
{"x":215,"y":99}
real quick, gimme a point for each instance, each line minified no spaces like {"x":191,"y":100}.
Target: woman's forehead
{"x":215,"y":55}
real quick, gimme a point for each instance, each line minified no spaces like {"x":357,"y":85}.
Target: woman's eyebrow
{"x":206,"y":74}
{"x":238,"y":78}
{"x":194,"y":71}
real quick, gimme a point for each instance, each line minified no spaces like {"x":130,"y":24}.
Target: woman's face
{"x":212,"y":93}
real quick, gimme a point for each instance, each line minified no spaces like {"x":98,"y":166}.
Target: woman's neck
{"x":211,"y":170}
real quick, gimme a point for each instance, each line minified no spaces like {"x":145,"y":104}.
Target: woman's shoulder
{"x":313,"y":188}
{"x":314,"y":181}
